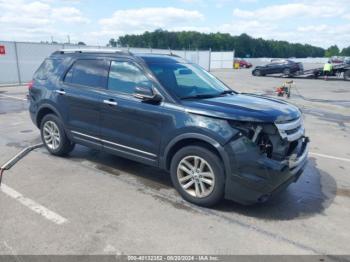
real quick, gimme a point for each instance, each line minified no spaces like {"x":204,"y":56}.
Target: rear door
{"x":81,"y":92}
{"x":130,"y":127}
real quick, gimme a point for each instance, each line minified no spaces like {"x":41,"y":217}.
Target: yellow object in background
{"x":236,"y":65}
{"x":328,"y":67}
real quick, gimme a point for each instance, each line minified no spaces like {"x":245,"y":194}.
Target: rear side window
{"x":124,"y":77}
{"x":47,"y":68}
{"x":89,"y":72}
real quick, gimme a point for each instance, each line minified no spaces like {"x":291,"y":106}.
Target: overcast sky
{"x":318,"y":22}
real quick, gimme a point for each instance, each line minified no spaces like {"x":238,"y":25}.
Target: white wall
{"x":22,"y":59}
{"x":220,"y":60}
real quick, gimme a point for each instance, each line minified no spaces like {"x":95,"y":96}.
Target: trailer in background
{"x":339,"y":71}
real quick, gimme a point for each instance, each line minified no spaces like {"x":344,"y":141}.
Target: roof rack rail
{"x":97,"y":50}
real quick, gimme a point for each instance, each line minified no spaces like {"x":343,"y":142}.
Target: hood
{"x":244,"y":107}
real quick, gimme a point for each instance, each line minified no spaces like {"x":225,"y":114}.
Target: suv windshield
{"x":188,"y":81}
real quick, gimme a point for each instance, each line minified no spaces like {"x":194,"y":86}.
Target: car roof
{"x":146,"y":57}
{"x":151,"y":58}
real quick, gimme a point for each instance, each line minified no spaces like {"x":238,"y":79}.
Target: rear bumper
{"x":255,"y":178}
{"x":32,"y":113}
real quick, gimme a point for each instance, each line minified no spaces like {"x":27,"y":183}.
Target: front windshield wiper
{"x":227,"y":92}
{"x":203,"y":96}
{"x":199,"y":96}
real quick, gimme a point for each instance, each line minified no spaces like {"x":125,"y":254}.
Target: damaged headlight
{"x":259,"y":133}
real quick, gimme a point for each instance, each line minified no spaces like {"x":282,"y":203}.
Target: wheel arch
{"x":193,"y":139}
{"x":43,"y":111}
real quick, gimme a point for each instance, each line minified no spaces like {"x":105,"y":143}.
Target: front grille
{"x":291,"y":130}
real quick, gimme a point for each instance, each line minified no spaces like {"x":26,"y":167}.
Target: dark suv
{"x":166,"y":112}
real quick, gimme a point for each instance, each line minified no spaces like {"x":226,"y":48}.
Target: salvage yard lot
{"x":109,"y":205}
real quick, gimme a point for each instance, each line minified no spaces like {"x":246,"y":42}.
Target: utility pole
{"x":209,"y":60}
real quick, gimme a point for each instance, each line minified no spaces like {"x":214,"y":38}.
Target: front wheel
{"x":347,"y":75}
{"x":198,"y":175}
{"x":257,"y":72}
{"x":54,"y":136}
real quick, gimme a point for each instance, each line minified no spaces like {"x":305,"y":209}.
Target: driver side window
{"x":124,"y":77}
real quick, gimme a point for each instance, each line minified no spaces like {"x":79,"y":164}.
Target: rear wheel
{"x":54,"y":136}
{"x":347,"y":75}
{"x":198,"y":175}
{"x":286,"y":71}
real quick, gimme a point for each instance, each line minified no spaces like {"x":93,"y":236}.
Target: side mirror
{"x":144,"y":91}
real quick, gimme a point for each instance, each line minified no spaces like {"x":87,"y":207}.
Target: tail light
{"x":30,"y":85}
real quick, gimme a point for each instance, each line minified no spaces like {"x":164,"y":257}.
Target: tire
{"x":257,"y":72}
{"x":347,"y":75}
{"x":213,"y":182}
{"x":52,"y":127}
{"x":286,"y":71}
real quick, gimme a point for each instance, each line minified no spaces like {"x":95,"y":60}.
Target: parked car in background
{"x":243,"y":63}
{"x":277,"y":60}
{"x":337,"y":60}
{"x":285,"y":67}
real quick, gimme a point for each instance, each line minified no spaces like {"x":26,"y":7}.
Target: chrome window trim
{"x":115,"y":144}
{"x":129,"y":153}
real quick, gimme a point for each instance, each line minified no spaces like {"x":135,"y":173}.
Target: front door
{"x":129,"y":127}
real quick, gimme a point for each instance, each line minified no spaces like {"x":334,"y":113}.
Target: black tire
{"x":257,"y":72}
{"x":286,"y":71}
{"x":347,"y":75}
{"x":217,"y":190}
{"x":64,"y":146}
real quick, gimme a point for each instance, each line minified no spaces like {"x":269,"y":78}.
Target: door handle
{"x":110,"y":102}
{"x":61,"y":92}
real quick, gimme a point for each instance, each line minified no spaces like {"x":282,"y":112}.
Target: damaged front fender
{"x":255,"y":173}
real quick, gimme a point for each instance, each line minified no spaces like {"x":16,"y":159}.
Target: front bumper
{"x":254,"y":177}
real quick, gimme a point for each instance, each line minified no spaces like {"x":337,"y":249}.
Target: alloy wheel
{"x":196,"y":176}
{"x":51,"y":135}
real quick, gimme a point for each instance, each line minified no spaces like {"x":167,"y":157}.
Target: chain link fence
{"x":19,"y":60}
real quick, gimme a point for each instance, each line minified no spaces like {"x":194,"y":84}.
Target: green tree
{"x":332,"y":51}
{"x":346,"y":51}
{"x":244,"y":45}
{"x":112,"y":43}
